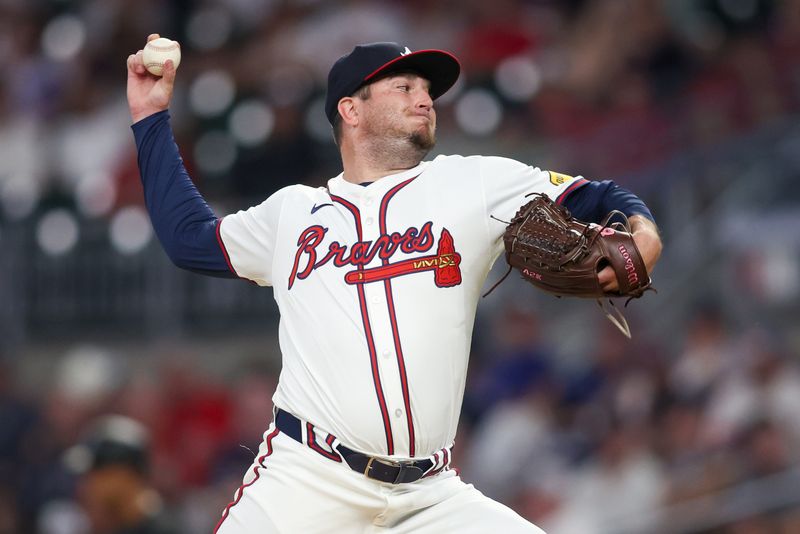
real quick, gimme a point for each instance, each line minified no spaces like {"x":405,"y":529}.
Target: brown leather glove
{"x":562,"y":255}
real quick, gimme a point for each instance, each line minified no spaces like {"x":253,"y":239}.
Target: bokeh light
{"x":20,"y":196}
{"x":211,"y":93}
{"x":478,"y":112}
{"x":57,"y":232}
{"x":87,"y":372}
{"x":251,"y":122}
{"x":518,"y":78}
{"x":63,"y":37}
{"x":62,"y":516}
{"x":130,"y":230}
{"x":95,"y":195}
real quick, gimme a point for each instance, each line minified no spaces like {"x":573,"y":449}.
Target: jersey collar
{"x":339,"y":186}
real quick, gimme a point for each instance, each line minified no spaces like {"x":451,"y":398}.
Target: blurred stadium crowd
{"x":683,"y":430}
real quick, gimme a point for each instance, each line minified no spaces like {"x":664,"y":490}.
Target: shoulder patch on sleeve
{"x":557,"y":179}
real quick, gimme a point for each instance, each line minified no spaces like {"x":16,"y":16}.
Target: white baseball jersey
{"x":377,"y":287}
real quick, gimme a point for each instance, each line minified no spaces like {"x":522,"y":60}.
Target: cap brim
{"x":437,"y":66}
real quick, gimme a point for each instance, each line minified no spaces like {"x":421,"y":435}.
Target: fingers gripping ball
{"x":158,"y":51}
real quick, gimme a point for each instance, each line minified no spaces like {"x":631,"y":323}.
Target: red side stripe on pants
{"x":240,"y":491}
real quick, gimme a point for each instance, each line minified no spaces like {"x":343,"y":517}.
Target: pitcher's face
{"x":400,"y":106}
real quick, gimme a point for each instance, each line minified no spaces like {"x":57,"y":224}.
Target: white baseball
{"x":158,"y":51}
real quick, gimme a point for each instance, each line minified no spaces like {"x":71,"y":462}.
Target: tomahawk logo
{"x":445,"y":264}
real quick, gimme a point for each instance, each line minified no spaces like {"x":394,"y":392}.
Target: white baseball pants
{"x":292,"y":489}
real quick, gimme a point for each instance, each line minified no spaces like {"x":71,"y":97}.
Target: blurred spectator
{"x":78,"y":391}
{"x":693,"y":464}
{"x":19,"y":419}
{"x":765,"y":449}
{"x":515,"y":362}
{"x":114,"y":488}
{"x":776,"y":375}
{"x":767,"y":462}
{"x":620,"y":489}
{"x":495,"y":32}
{"x":705,"y":356}
{"x":195,"y":420}
{"x":515,"y":441}
{"x":251,"y":410}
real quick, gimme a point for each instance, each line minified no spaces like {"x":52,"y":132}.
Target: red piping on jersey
{"x":387,"y":284}
{"x":240,"y":491}
{"x":224,"y":250}
{"x":570,"y":189}
{"x":312,"y":443}
{"x":445,"y":463}
{"x":373,"y":355}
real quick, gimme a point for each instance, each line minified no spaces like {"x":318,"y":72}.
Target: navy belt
{"x":382,"y":469}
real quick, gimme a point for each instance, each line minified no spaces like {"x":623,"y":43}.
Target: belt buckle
{"x":389,"y":463}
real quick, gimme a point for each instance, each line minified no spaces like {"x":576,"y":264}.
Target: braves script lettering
{"x":359,"y":253}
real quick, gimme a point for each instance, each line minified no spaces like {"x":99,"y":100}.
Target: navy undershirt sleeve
{"x":183,"y":222}
{"x":594,"y":200}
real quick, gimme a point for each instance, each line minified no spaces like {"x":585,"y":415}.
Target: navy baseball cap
{"x":368,"y":62}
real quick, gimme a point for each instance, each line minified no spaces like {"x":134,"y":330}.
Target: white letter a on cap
{"x":405,"y":52}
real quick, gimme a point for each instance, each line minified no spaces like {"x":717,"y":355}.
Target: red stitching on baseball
{"x":164,"y":48}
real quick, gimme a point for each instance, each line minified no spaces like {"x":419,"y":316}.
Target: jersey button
{"x":387,"y":353}
{"x":369,"y":221}
{"x":398,"y":412}
{"x":368,"y":201}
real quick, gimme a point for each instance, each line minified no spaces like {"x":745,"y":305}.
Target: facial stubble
{"x":423,"y":139}
{"x":397,"y":147}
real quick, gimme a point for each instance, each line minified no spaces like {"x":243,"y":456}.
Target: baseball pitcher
{"x":377,"y":276}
